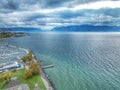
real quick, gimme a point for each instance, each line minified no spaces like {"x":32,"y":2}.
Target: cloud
{"x":47,"y":14}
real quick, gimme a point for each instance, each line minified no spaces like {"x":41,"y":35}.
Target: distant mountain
{"x":88,"y":28}
{"x":75,"y":28}
{"x":20,"y":29}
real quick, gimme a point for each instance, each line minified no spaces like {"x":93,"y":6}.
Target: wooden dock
{"x":48,"y":66}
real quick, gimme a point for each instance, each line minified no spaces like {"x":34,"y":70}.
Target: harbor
{"x":15,"y":62}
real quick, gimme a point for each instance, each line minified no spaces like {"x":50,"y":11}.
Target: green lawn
{"x":2,"y":84}
{"x":31,"y":81}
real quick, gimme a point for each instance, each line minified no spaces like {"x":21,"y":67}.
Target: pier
{"x":48,"y":66}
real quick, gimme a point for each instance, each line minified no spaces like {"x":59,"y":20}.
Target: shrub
{"x":27,"y":74}
{"x":5,"y":76}
{"x":28,"y":57}
{"x":35,"y":68}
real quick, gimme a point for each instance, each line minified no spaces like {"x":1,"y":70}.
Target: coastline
{"x":47,"y":82}
{"x":12,"y":34}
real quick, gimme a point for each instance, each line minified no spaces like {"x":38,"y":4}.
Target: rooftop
{"x":14,"y":84}
{"x":19,"y":87}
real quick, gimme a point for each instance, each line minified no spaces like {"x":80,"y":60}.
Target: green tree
{"x":35,"y":67}
{"x":5,"y":76}
{"x":27,"y":74}
{"x":28,"y":57}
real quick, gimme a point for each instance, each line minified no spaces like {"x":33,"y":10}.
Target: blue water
{"x":82,"y":61}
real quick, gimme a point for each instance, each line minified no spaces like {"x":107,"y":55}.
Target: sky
{"x":48,"y":14}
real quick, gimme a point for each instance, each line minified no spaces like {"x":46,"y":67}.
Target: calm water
{"x":82,"y":61}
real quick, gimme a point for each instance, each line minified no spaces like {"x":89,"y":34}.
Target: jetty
{"x":48,"y":66}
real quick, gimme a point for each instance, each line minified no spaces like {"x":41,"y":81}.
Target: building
{"x":8,"y":66}
{"x":14,"y":84}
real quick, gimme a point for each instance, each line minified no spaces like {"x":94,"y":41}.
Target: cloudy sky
{"x":47,"y":14}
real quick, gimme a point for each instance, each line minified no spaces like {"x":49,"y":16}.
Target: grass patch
{"x":2,"y":84}
{"x":31,"y":81}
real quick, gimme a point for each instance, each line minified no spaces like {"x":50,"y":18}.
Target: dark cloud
{"x":53,"y":13}
{"x":19,"y":4}
{"x":8,"y":4}
{"x":54,"y":3}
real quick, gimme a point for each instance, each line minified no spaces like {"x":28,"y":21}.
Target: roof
{"x":14,"y":84}
{"x":19,"y":87}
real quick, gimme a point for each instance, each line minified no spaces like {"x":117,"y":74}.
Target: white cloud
{"x":94,"y":5}
{"x":98,"y":5}
{"x":31,"y":16}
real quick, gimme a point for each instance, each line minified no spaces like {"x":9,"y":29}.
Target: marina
{"x":10,"y":56}
{"x":9,"y":53}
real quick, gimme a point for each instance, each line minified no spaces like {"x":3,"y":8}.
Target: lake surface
{"x":82,"y":61}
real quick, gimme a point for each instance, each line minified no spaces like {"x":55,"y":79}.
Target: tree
{"x":5,"y":76}
{"x":27,"y":74}
{"x":28,"y":57}
{"x":35,"y":68}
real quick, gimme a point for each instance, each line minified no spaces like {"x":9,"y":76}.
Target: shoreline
{"x":46,"y":80}
{"x":7,"y":34}
{"x":48,"y":83}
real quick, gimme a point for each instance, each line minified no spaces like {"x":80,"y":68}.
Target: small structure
{"x":14,"y":84}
